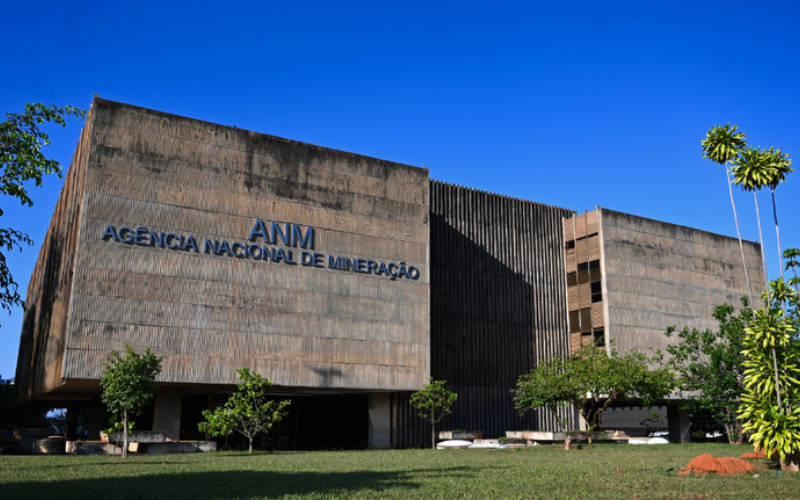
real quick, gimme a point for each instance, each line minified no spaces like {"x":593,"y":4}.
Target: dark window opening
{"x":574,"y":322}
{"x":589,"y":271}
{"x":572,"y":279}
{"x":570,"y":244}
{"x":597,"y":291}
{"x":599,"y":337}
{"x":586,"y":319}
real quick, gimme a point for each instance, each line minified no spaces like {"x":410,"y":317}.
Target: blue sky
{"x":572,"y":104}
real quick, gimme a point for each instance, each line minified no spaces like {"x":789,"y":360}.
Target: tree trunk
{"x":792,"y":463}
{"x":761,"y":239}
{"x":251,"y":444}
{"x":738,"y":233}
{"x":433,"y":436}
{"x":125,"y":434}
{"x":777,"y":233}
{"x":567,"y":441}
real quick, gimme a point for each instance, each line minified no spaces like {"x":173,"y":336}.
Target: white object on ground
{"x":454,"y":444}
{"x":491,"y":446}
{"x":638,"y":441}
{"x":658,"y":440}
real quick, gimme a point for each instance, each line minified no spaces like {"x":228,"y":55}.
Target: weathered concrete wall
{"x":657,"y":275}
{"x":208,"y":314}
{"x":44,"y":325}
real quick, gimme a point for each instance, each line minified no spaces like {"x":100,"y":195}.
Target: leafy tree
{"x":751,"y":172}
{"x":128,"y":385}
{"x":792,"y":255}
{"x":709,"y":368}
{"x":549,"y":386}
{"x":721,"y":145}
{"x":248,"y":411}
{"x":21,"y":160}
{"x":780,"y":165}
{"x":772,"y":360}
{"x":433,"y":403}
{"x":591,"y":379}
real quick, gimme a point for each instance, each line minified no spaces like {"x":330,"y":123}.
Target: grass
{"x":544,"y":472}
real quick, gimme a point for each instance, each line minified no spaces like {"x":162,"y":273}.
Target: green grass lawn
{"x":543,"y":472}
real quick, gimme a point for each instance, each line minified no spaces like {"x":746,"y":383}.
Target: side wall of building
{"x":658,"y":274}
{"x":44,"y":325}
{"x":498,"y":301}
{"x":210,"y":312}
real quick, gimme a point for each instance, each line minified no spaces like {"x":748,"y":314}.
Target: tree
{"x":751,"y":172}
{"x":722,"y":144}
{"x":792,"y":255}
{"x":780,"y":166}
{"x":772,"y":360}
{"x":21,"y":160}
{"x":248,"y":411}
{"x":128,"y":385}
{"x":591,"y":379}
{"x":709,"y":368}
{"x":433,"y":403}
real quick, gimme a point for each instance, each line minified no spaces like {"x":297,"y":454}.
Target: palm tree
{"x":793,"y":256}
{"x":722,"y":144}
{"x":780,"y":165}
{"x":751,"y":172}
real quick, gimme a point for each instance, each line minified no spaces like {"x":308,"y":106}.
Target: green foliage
{"x":722,"y":143}
{"x":709,"y":367}
{"x":772,"y":368}
{"x":780,"y":165}
{"x":591,"y":379}
{"x":433,"y":403}
{"x":128,"y":385}
{"x":653,"y":421}
{"x":792,"y":256}
{"x":21,"y":160}
{"x":248,"y":411}
{"x":752,"y":169}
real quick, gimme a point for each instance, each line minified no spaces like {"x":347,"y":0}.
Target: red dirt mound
{"x":706,"y":464}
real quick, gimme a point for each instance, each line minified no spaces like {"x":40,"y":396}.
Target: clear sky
{"x":574,"y":104}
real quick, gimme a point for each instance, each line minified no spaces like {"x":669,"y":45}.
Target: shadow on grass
{"x":227,"y":484}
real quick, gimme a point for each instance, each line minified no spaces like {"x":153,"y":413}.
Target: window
{"x":574,"y":322}
{"x":597,"y":291}
{"x":589,"y":271}
{"x":570,"y":244}
{"x":572,"y":279}
{"x":580,"y":321}
{"x":594,"y":270}
{"x":599,"y":337}
{"x":586,"y":319}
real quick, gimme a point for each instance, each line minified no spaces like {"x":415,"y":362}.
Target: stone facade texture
{"x":209,"y":314}
{"x":657,"y":274}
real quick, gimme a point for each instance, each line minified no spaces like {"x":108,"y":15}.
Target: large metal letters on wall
{"x":291,"y":235}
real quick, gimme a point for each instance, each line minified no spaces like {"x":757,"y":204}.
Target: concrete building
{"x":345,"y":279}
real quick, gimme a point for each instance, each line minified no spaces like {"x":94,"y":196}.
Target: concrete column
{"x":679,"y":425}
{"x":380,"y":421}
{"x":167,"y":412}
{"x":97,"y":418}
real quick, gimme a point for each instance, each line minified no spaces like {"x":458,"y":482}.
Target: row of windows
{"x":599,"y":336}
{"x":571,"y":243}
{"x":587,"y":272}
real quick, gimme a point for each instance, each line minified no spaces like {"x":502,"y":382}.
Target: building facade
{"x":345,"y":279}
